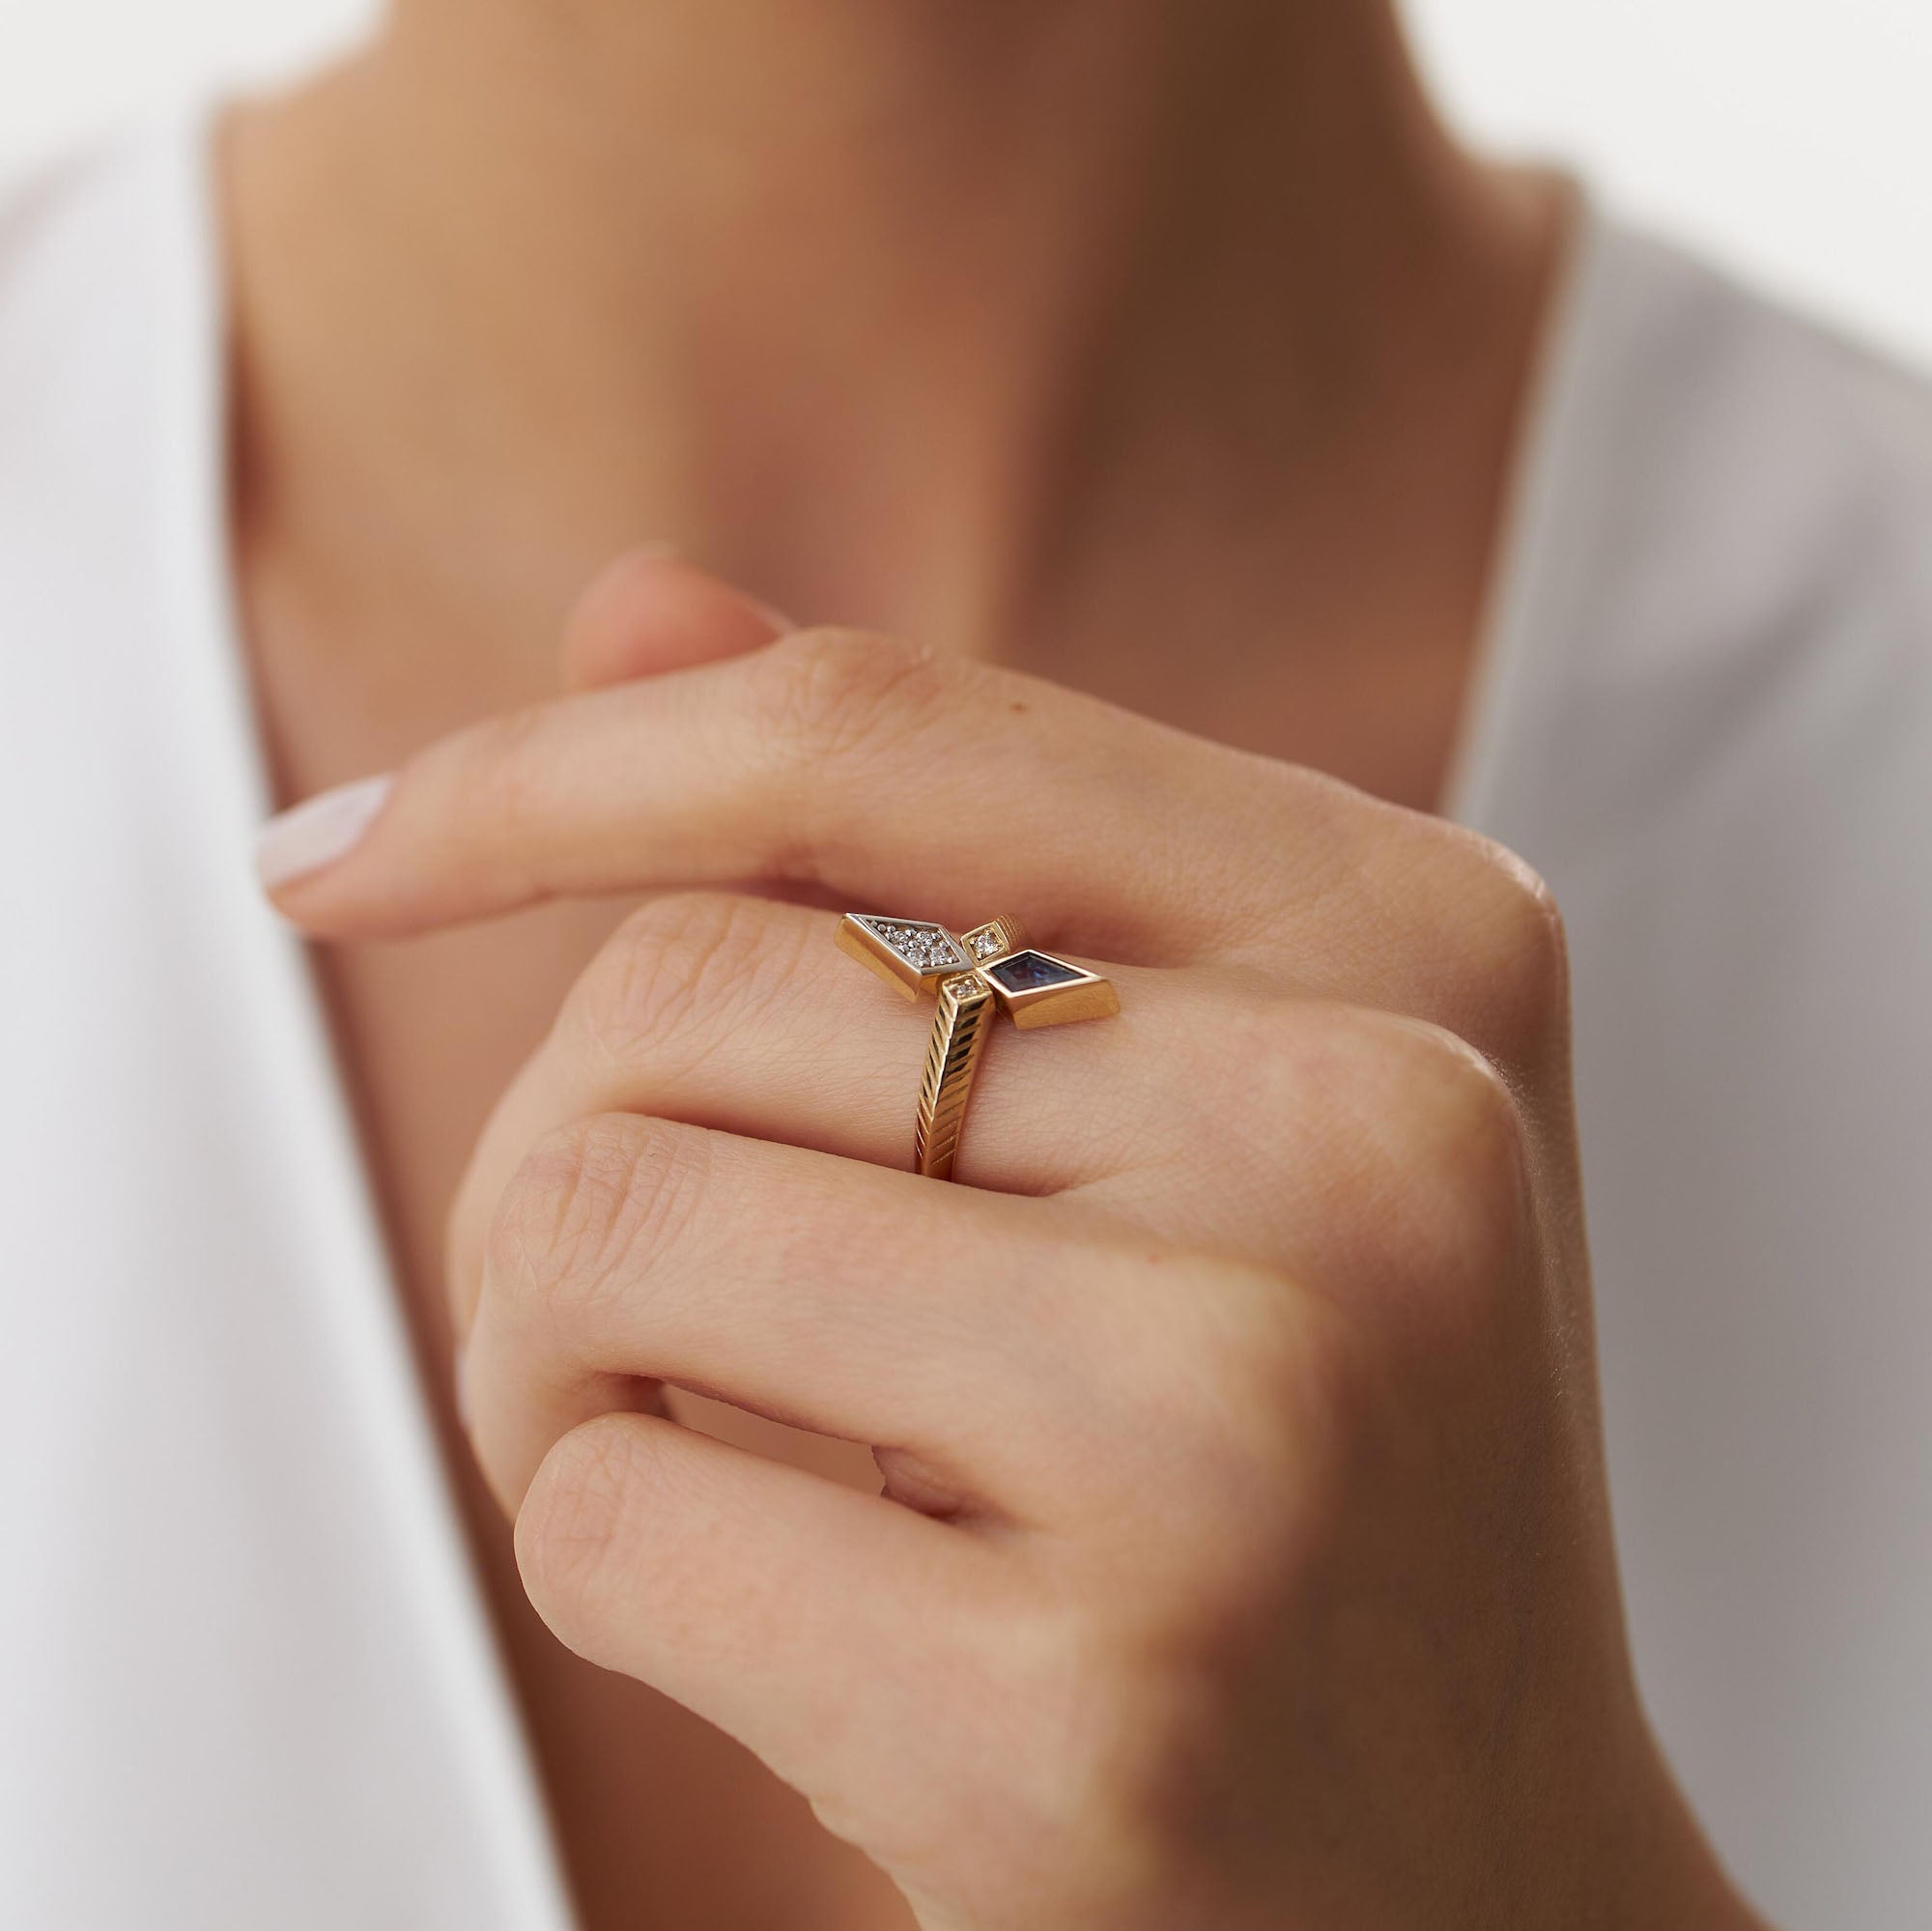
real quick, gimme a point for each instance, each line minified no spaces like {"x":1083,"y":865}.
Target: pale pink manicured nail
{"x":318,"y":831}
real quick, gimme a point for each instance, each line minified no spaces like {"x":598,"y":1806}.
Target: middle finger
{"x":740,"y":1014}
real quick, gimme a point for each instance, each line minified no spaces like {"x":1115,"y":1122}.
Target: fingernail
{"x":318,"y":831}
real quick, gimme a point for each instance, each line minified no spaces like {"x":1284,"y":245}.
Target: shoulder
{"x":1771,"y":457}
{"x":1721,"y":578}
{"x":1711,"y":729}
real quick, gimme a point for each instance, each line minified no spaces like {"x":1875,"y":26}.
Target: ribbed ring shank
{"x":965,"y":1016}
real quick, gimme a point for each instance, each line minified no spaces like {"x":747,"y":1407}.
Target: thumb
{"x":649,"y":612}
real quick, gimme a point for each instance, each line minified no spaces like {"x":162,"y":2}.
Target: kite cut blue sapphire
{"x":1027,"y":972}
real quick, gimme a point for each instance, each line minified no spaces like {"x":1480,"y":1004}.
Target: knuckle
{"x":678,"y":972}
{"x":1516,"y":951}
{"x":831,"y":694}
{"x":587,"y":1197}
{"x":1239,"y":1357}
{"x":1276,"y":1386}
{"x":1462,"y":1147}
{"x":1415,"y":1140}
{"x":1098,"y":1693}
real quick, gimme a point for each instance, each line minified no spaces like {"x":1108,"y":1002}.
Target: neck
{"x":901,"y":313}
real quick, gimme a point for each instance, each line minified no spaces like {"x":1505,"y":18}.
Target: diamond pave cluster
{"x":929,"y":948}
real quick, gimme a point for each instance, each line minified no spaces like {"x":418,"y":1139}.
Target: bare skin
{"x":1243,"y":1556}
{"x":1012,"y":329}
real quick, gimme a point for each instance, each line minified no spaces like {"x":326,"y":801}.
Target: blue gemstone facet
{"x":1026,"y":972}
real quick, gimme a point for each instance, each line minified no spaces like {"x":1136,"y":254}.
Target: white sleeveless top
{"x":245,"y":1673}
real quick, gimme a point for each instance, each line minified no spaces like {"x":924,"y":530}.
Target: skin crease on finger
{"x":957,"y":302}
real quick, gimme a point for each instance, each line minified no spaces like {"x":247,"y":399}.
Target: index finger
{"x":894,"y":779}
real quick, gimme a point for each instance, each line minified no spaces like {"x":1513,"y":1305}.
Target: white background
{"x":1790,"y":137}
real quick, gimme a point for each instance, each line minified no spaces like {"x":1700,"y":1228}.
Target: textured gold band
{"x":965,"y":1016}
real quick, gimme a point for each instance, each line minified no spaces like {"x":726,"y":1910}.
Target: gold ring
{"x":973,"y":975}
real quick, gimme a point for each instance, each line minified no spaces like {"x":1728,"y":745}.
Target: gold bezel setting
{"x":910,"y":954}
{"x":994,"y":939}
{"x":1035,"y":988}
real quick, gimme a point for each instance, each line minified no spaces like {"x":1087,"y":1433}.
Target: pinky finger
{"x":808,"y":1620}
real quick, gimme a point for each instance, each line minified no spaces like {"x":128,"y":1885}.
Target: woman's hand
{"x":1244,"y":1557}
